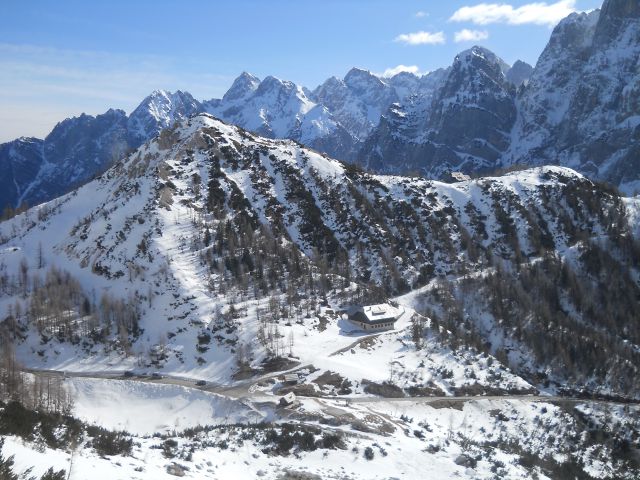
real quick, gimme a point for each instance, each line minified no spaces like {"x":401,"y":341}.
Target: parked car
{"x":201,"y":383}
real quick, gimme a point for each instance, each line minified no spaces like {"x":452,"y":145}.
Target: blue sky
{"x":59,"y":59}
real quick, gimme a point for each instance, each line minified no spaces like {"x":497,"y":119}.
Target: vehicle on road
{"x":128,"y":374}
{"x":201,"y":383}
{"x":156,"y":375}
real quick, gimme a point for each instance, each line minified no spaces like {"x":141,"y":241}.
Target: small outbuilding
{"x":454,"y":177}
{"x":288,"y":400}
{"x":374,"y":317}
{"x":291,"y":378}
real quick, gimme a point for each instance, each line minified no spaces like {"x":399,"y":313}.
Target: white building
{"x":374,"y":317}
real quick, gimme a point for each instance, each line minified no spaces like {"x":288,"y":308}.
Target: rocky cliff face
{"x":76,"y":150}
{"x":519,"y":73}
{"x":581,"y":106}
{"x":464,"y":125}
{"x":21,"y":161}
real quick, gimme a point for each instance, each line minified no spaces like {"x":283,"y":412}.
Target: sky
{"x":64,"y":58}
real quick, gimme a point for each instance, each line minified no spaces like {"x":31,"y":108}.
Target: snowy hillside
{"x":213,"y":255}
{"x":478,"y":439}
{"x":406,"y":277}
{"x":177,"y":256}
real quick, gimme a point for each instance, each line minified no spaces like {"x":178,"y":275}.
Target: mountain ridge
{"x":187,"y":222}
{"x":409,"y":123}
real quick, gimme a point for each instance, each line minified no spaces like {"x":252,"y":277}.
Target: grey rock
{"x":463,"y":126}
{"x":519,"y":73}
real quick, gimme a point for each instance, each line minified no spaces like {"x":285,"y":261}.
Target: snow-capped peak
{"x":469,"y":58}
{"x":242,"y":87}
{"x":160,"y":110}
{"x":358,"y":78}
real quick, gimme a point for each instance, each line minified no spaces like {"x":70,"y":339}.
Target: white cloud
{"x":421,"y":38}
{"x":421,"y":14}
{"x":390,"y":72}
{"x":467,"y":35}
{"x":539,"y":13}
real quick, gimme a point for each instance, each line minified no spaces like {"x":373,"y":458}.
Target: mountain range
{"x":578,"y":107}
{"x":178,"y":301}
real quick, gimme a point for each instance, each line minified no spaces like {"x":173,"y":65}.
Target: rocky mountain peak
{"x":243,"y":86}
{"x":272,"y":84}
{"x":480,"y":57}
{"x":159,"y":110}
{"x":404,"y":77}
{"x":76,"y":127}
{"x":360,"y":79}
{"x":329,"y":91}
{"x":614,"y":17}
{"x":519,"y":73}
{"x":405,"y":84}
{"x":330,"y":84}
{"x":621,"y":9}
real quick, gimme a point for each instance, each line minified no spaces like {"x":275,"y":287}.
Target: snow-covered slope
{"x":212,"y":253}
{"x":194,"y":233}
{"x":330,"y":440}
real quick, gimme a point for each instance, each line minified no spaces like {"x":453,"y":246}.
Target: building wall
{"x":373,"y":327}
